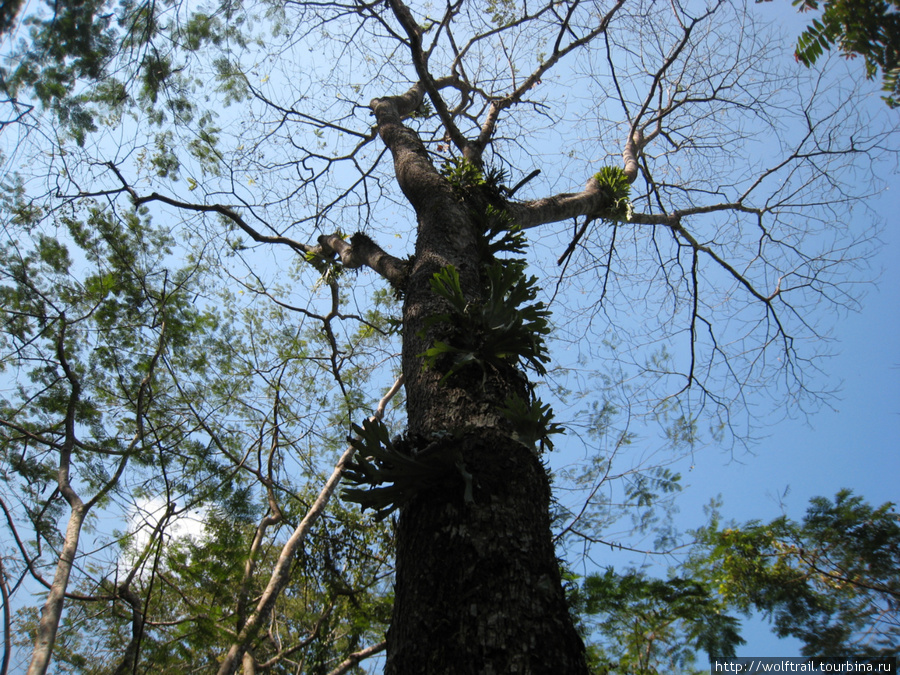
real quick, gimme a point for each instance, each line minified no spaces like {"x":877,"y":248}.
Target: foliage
{"x":501,"y":234}
{"x":830,"y":580}
{"x":112,"y":350}
{"x":8,"y":12}
{"x":335,"y":603}
{"x":616,"y":189}
{"x":867,"y":28}
{"x":463,"y":174}
{"x":648,"y":626}
{"x":482,"y":192}
{"x":496,"y":332}
{"x":173,"y":335}
{"x":94,"y":338}
{"x":407,"y":472}
{"x":532,"y":421}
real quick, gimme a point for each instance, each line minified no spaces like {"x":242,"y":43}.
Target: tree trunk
{"x":52,"y":611}
{"x":478,"y":587}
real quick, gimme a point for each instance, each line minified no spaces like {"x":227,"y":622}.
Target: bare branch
{"x":356,"y":657}
{"x":280,"y":574}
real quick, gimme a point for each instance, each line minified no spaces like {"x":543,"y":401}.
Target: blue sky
{"x":854,"y":444}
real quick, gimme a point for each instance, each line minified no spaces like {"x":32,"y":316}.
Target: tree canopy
{"x":253,"y":249}
{"x":829,"y":580}
{"x":867,"y":28}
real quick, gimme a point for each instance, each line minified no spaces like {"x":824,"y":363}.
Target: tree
{"x":90,"y":346}
{"x":651,"y":626}
{"x":830,"y":580}
{"x":117,"y":372}
{"x":405,"y":117}
{"x":858,"y":28}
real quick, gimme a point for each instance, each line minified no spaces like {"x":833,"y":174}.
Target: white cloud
{"x":143,"y":520}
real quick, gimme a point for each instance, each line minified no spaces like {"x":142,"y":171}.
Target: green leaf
{"x":393,"y":476}
{"x":532,"y":421}
{"x":499,"y":331}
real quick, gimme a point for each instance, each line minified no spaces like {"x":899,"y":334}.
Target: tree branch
{"x":281,"y":573}
{"x":363,"y":251}
{"x":591,"y":202}
{"x":356,"y":657}
{"x":420,"y":63}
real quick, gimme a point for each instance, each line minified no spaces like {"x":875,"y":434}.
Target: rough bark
{"x":591,"y":202}
{"x":363,"y":251}
{"x":478,"y":588}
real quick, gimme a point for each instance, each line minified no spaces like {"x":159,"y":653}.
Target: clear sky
{"x":855,"y":445}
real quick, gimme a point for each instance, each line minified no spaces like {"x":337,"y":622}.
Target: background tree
{"x":643,"y":625}
{"x":90,"y":349}
{"x":858,"y":28}
{"x":118,"y":373}
{"x":692,"y":268}
{"x":830,"y":580}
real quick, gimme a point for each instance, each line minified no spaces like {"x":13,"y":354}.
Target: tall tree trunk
{"x":478,"y":588}
{"x":52,"y":611}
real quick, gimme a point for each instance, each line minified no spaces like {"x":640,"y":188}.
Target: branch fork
{"x":362,"y":251}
